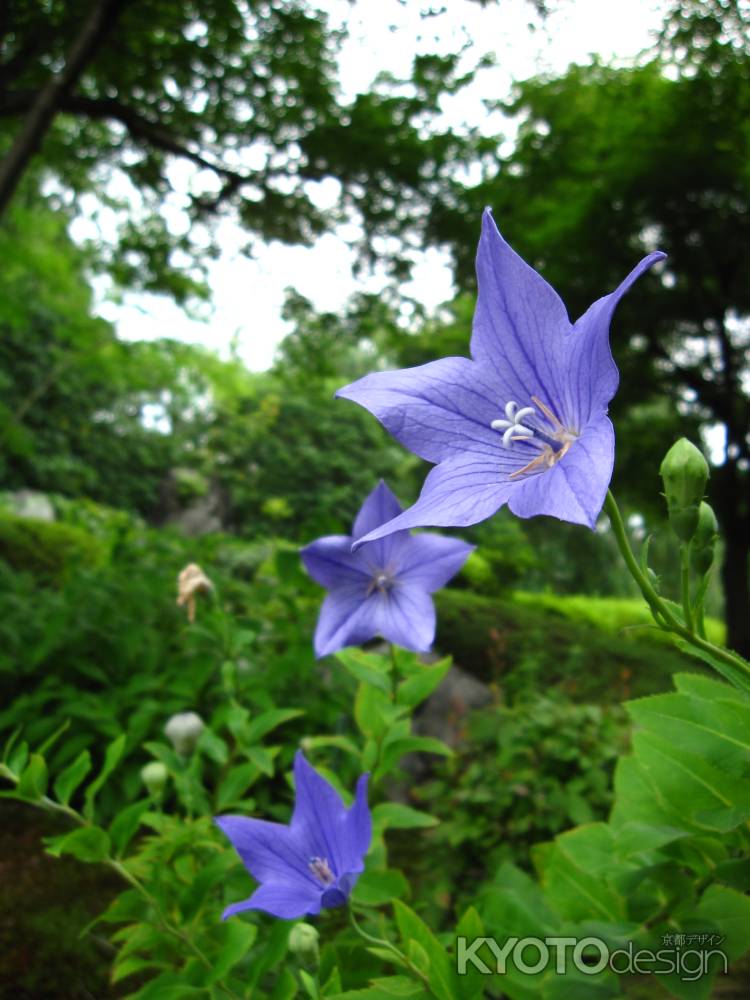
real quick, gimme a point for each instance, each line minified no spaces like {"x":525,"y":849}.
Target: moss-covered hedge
{"x":519,"y":644}
{"x":46,"y":549}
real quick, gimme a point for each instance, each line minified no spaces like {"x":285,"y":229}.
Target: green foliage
{"x":246,"y":94}
{"x":593,"y":650}
{"x":48,"y":550}
{"x":522,"y":775}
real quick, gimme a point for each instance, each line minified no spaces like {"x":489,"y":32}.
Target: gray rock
{"x":31,"y":503}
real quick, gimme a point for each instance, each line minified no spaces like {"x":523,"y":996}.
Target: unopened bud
{"x":154,"y":776}
{"x":303,"y":942}
{"x":704,"y":540}
{"x":684,"y":472}
{"x":183,"y":731}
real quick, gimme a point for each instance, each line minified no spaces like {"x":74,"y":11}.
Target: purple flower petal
{"x":591,"y":372}
{"x":330,"y":561}
{"x":520,"y":323}
{"x":431,"y":560}
{"x":380,"y":507}
{"x":405,"y":615}
{"x":462,"y":491}
{"x":321,"y":819}
{"x":287,"y":900}
{"x":574,"y":489}
{"x":268,"y":850}
{"x":436,"y":410}
{"x":340,"y":623}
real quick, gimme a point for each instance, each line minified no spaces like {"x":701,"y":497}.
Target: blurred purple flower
{"x":523,"y":423}
{"x":384,"y":587}
{"x":315,"y":861}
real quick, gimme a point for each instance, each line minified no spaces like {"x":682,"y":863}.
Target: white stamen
{"x":512,"y":428}
{"x":517,"y":433}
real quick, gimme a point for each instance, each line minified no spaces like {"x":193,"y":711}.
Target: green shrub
{"x":528,"y":641}
{"x":47,"y":549}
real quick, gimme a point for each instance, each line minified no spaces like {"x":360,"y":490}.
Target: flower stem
{"x":662,"y":613}
{"x":383,"y":943}
{"x":685,"y":582}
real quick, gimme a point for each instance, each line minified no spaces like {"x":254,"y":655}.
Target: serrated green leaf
{"x":87,"y":843}
{"x":236,"y":783}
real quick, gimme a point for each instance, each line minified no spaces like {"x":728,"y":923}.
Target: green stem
{"x":394,"y":673}
{"x":383,"y":943}
{"x":685,"y":584}
{"x":658,"y":608}
{"x":700,"y":598}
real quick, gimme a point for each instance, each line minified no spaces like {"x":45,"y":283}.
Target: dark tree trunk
{"x":732,"y":505}
{"x":40,"y":116}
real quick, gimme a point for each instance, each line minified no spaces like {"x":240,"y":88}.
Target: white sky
{"x":384,"y":35}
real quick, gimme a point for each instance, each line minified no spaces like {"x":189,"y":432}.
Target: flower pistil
{"x":554,"y":440}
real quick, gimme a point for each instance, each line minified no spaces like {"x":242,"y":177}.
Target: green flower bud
{"x":704,"y":540}
{"x":155,"y":776}
{"x":303,"y":942}
{"x":684,"y":472}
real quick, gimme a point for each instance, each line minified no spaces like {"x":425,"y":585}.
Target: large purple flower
{"x":315,"y":861}
{"x":523,"y":423}
{"x":384,"y":587}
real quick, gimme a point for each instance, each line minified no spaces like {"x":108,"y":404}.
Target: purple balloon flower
{"x":523,"y":423}
{"x":315,"y":861}
{"x":384,"y":587}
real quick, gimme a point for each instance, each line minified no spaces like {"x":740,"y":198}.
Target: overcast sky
{"x":384,"y":35}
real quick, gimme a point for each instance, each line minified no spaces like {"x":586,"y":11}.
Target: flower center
{"x":538,"y":427}
{"x":321,"y":870}
{"x":381,"y":581}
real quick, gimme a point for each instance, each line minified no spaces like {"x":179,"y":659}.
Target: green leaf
{"x":367,"y":667}
{"x":69,"y":779}
{"x":309,"y":984}
{"x":213,"y":746}
{"x":87,"y":843}
{"x":735,"y":675}
{"x":125,"y":824}
{"x":112,"y":757}
{"x":32,"y":784}
{"x":696,"y":790}
{"x":237,"y":938}
{"x":236,"y":783}
{"x":268,"y":721}
{"x":399,"y":986}
{"x":415,"y":934}
{"x":51,"y":740}
{"x":375,"y":888}
{"x":393,"y":751}
{"x":372,"y":711}
{"x":394,"y":815}
{"x":419,"y":686}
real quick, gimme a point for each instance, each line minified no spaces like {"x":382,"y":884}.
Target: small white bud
{"x":154,"y":776}
{"x":183,"y":731}
{"x":303,"y":942}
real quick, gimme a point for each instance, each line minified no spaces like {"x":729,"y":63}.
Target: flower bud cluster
{"x":684,"y":473}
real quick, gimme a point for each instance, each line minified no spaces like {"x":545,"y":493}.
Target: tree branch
{"x":139,"y":127}
{"x":42,"y":111}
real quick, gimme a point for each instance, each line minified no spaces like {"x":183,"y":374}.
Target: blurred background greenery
{"x":103,"y":502}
